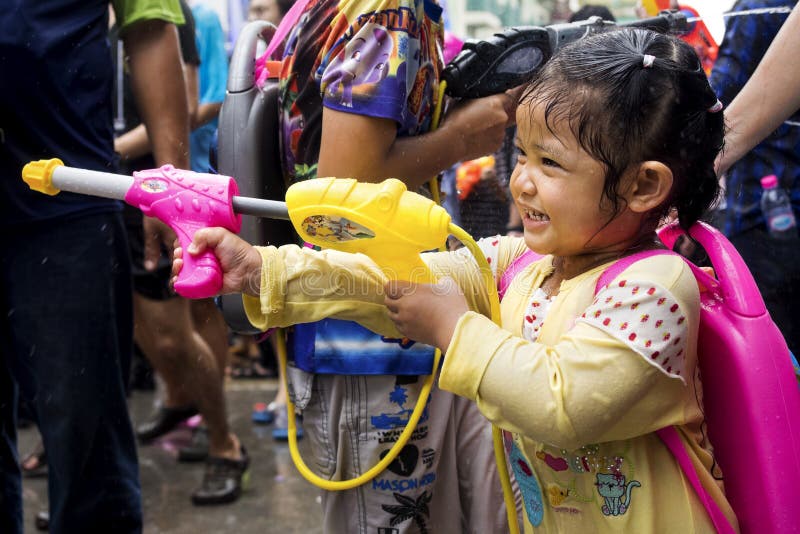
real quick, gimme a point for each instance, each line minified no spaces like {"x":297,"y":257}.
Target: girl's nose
{"x":522,"y":182}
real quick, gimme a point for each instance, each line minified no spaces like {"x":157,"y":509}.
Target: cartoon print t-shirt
{"x":370,"y":57}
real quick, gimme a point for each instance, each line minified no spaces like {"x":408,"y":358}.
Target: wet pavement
{"x":277,"y":499}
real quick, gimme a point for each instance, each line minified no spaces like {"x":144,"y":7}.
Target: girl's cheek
{"x":515,"y":182}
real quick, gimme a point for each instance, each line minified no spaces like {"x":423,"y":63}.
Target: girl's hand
{"x":426,"y":313}
{"x":239,"y":260}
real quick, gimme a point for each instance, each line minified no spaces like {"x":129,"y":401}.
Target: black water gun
{"x":512,"y":57}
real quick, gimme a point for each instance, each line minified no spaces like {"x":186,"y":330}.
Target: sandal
{"x":35,"y":464}
{"x":249,"y":367}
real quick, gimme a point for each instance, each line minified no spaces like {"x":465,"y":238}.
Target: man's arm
{"x":368,"y":149}
{"x":769,"y":97}
{"x":157,"y":80}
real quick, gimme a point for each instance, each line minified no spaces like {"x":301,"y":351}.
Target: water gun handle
{"x":184,"y":200}
{"x":201,"y":275}
{"x":188,"y":201}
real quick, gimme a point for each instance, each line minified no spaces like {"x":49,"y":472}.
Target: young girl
{"x":617,"y":130}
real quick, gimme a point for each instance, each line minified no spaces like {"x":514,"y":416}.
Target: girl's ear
{"x":650,"y":186}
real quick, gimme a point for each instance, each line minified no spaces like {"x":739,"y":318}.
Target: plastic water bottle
{"x":777,"y":209}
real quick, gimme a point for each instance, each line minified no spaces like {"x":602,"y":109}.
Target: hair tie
{"x":716,"y":107}
{"x":647,"y":61}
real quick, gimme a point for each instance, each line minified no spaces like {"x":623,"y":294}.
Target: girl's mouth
{"x":534,"y":216}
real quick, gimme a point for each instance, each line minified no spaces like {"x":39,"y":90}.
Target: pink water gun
{"x":186,"y":201}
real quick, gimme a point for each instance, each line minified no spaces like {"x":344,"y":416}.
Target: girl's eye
{"x":547,"y":162}
{"x":521,"y":158}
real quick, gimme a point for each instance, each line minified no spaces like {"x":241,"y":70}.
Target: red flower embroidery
{"x":632,"y":336}
{"x":618,"y":304}
{"x":667,"y":336}
{"x":655,"y":355}
{"x":634,"y":305}
{"x":681,"y":319}
{"x":530,"y":318}
{"x":648,"y":343}
{"x":635,"y":290}
{"x":660,"y":301}
{"x":673,"y":308}
{"x":597,"y":314}
{"x":623,"y":326}
{"x":659,"y":323}
{"x":622,"y":283}
{"x":651,"y":291}
{"x":645,"y":318}
{"x":677,"y":340}
{"x":606,"y":321}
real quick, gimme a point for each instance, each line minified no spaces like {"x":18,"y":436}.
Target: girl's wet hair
{"x":625,"y":109}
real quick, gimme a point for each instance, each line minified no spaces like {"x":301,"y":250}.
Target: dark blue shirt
{"x":746,"y":40}
{"x":55,"y":101}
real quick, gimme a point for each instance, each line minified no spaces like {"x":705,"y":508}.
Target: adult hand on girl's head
{"x":240,"y":262}
{"x":424,"y":312}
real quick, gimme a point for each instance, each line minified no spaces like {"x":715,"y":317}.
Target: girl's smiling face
{"x":558,"y":189}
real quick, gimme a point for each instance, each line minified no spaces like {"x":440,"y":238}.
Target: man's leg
{"x":10,"y":476}
{"x":210,"y":324}
{"x":69,"y":350}
{"x":165,"y":332}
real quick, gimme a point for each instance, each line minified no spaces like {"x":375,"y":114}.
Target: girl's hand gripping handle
{"x":188,"y":201}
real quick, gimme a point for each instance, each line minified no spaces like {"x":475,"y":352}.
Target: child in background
{"x":372,"y":69}
{"x":617,"y":129}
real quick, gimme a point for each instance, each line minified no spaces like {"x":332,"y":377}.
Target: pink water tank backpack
{"x":750,"y":392}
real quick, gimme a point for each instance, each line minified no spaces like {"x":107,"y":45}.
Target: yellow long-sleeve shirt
{"x":580,"y":381}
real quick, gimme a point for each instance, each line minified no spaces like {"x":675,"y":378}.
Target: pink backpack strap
{"x":513,"y":269}
{"x":673,"y":442}
{"x":668,"y":434}
{"x":288,"y":22}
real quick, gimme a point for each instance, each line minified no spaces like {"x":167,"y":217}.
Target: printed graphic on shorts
{"x":406,"y":460}
{"x":615,"y":492}
{"x":335,"y":229}
{"x":399,"y":419}
{"x":528,"y":486}
{"x":428,"y":456}
{"x":410,"y":509}
{"x":402,"y":485}
{"x":645,"y":317}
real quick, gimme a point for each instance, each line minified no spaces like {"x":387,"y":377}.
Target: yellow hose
{"x":339,"y":485}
